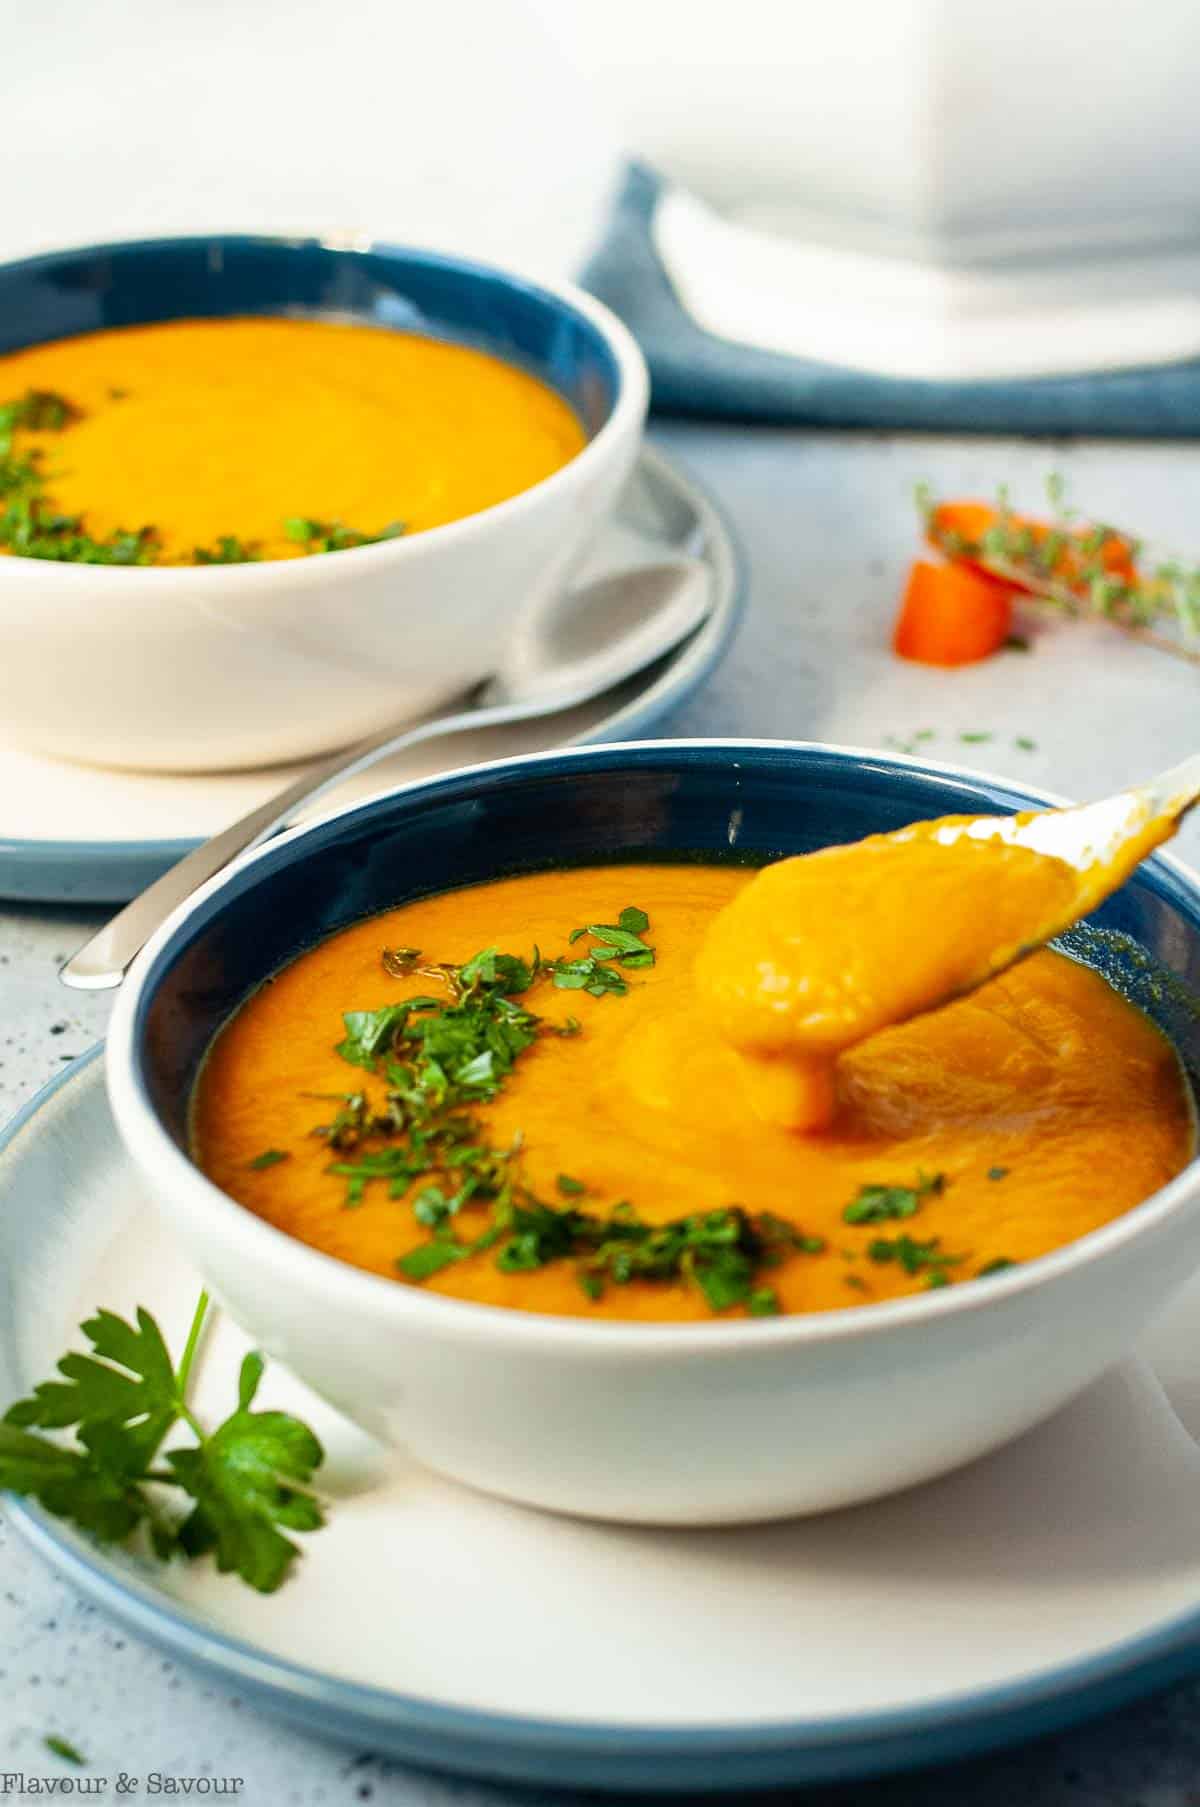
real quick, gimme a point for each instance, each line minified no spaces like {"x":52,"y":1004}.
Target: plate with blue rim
{"x":90,"y":835}
{"x":1046,"y":1583}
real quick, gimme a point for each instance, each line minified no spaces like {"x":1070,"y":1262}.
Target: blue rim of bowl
{"x":120,"y":869}
{"x":1161,"y":873}
{"x":619,"y":350}
{"x":667,"y":1757}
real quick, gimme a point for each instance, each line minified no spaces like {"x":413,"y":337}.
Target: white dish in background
{"x":799,"y":294}
{"x":851,"y":205}
{"x":84,"y":834}
{"x":430,"y":1623}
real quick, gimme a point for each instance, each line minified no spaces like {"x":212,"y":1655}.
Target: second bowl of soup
{"x":436,"y":1094}
{"x":261,"y":497}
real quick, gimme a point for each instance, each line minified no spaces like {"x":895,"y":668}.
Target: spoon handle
{"x":102,"y":962}
{"x":668,"y":601}
{"x":1175,"y":791}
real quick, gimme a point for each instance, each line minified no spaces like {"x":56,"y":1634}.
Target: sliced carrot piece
{"x":952,"y":615}
{"x":967,"y":521}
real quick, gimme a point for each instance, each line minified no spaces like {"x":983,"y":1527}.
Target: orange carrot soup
{"x":223,"y":441}
{"x":518,"y":1094}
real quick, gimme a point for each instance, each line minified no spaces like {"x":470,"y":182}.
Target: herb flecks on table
{"x":61,"y":1747}
{"x":31,"y":526}
{"x":248,"y":1481}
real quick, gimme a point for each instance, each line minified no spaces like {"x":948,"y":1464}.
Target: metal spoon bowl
{"x":595,"y":639}
{"x":1102,"y":842}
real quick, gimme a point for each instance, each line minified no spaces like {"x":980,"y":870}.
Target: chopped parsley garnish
{"x":724,"y":1253}
{"x":32,"y":527}
{"x":928,"y":1259}
{"x":270,"y":1157}
{"x":1025,"y":743}
{"x":228,"y":550}
{"x":442,"y":1055}
{"x":877,"y":1203}
{"x":335,"y":536}
{"x":41,"y":411}
{"x":619,"y":943}
{"x":977,"y":738}
{"x":997,"y":1266}
{"x":248,"y":1481}
{"x":998,"y":1173}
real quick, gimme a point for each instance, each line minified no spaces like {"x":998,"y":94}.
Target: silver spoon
{"x":1101,"y":842}
{"x":596,"y":638}
{"x":1095,"y":847}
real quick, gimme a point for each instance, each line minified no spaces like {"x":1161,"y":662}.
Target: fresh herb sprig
{"x":1080,"y":570}
{"x":248,"y":1481}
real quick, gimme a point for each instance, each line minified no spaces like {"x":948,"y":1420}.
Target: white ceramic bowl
{"x":711,"y":1423}
{"x":207,"y":668}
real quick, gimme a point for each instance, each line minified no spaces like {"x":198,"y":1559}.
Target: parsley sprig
{"x":248,"y":1481}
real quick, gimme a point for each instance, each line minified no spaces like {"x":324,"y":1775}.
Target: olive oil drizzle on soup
{"x":569,"y":1135}
{"x":213,"y":441}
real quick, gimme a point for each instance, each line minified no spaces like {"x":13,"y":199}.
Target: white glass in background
{"x":929,"y":187}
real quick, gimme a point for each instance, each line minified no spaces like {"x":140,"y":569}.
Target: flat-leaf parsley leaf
{"x":247,"y":1478}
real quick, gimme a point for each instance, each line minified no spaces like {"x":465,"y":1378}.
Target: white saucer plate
{"x":87,"y":834}
{"x":1043,"y":1584}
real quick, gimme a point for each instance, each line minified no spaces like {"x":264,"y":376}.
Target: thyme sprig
{"x":1080,"y":569}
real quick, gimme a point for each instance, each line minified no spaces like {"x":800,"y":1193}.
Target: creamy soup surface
{"x":226,"y":430}
{"x":979,"y":1135}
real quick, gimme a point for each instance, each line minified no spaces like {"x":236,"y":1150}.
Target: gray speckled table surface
{"x":826,"y":523}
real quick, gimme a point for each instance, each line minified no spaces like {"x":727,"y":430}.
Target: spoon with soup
{"x":823,"y":950}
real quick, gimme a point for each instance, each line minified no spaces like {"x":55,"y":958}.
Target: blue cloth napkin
{"x":694,"y":373}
